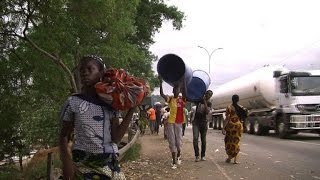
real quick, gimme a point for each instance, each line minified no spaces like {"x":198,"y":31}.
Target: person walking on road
{"x":143,"y":119}
{"x":200,"y":125}
{"x":185,"y":122}
{"x":152,"y":119}
{"x":176,"y":118}
{"x":192,"y":113}
{"x":233,"y":129}
{"x":165,"y":118}
{"x":158,"y":108}
{"x":95,"y":126}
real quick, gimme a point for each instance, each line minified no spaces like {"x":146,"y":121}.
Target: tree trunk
{"x":20,"y":162}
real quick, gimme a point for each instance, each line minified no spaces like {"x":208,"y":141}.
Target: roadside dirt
{"x":155,"y":162}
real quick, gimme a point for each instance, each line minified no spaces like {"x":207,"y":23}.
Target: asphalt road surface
{"x":266,"y":157}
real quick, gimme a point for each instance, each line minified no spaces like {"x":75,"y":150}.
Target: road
{"x":267,"y":157}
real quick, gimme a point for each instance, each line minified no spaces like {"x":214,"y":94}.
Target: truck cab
{"x":298,"y":107}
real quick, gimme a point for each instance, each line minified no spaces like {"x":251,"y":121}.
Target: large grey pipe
{"x":171,"y":68}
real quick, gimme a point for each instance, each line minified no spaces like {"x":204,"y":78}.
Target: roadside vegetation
{"x":37,"y":167}
{"x":41,"y":44}
{"x":133,"y":153}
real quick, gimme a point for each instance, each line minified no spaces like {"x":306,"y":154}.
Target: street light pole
{"x":209,"y":54}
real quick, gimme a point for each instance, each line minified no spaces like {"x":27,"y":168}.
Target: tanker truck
{"x":276,"y":98}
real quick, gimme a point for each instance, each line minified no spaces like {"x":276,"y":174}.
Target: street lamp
{"x":209,"y":54}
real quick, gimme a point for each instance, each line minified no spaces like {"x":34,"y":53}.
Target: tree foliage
{"x":42,"y":42}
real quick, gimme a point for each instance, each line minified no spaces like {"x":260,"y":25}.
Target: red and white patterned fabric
{"x":122,"y":90}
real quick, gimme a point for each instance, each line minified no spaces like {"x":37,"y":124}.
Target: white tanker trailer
{"x":279,"y":99}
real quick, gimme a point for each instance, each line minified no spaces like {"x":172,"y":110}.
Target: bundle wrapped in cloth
{"x":121,"y":90}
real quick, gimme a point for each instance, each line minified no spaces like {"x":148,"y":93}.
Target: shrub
{"x":133,"y":153}
{"x":37,"y":167}
{"x":10,"y":172}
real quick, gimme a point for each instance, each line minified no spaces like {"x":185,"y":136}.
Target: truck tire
{"x":257,"y":128}
{"x":282,"y":130}
{"x":249,"y":127}
{"x":265,"y":131}
{"x":214,"y":123}
{"x":210,"y":125}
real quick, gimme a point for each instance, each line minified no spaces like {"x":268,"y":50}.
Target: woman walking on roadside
{"x":233,"y":129}
{"x":96,"y":128}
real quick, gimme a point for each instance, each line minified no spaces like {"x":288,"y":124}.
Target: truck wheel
{"x":258,"y":129}
{"x":210,"y":125}
{"x":214,"y":123}
{"x":249,"y":127}
{"x":265,"y":131}
{"x":282,"y":130}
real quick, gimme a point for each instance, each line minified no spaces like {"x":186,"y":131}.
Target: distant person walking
{"x":176,"y":104}
{"x":165,"y":118}
{"x":158,"y":108}
{"x":152,"y":119}
{"x":185,"y":122}
{"x":143,"y":118}
{"x":200,"y":125}
{"x":192,"y":113}
{"x":233,"y":129}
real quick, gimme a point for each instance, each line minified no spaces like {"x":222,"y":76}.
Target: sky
{"x":251,"y":33}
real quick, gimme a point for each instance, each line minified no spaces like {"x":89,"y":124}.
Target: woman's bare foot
{"x":236,"y":162}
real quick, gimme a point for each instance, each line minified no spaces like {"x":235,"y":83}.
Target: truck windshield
{"x":305,"y":86}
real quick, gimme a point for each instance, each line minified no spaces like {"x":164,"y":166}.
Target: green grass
{"x":10,"y":172}
{"x":35,"y":170}
{"x":133,"y":153}
{"x":38,"y":169}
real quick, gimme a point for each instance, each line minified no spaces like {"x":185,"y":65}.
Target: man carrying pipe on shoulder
{"x":200,"y":125}
{"x":176,"y":104}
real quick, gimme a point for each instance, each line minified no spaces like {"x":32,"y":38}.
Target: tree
{"x":43,"y":41}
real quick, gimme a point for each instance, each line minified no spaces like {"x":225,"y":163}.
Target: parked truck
{"x":276,"y":98}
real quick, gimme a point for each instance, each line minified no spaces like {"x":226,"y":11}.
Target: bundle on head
{"x":121,"y":90}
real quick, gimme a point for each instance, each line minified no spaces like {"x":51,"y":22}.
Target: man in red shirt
{"x":174,"y":129}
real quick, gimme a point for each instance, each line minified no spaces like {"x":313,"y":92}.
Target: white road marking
{"x":244,"y":153}
{"x":218,"y":166}
{"x":306,"y":143}
{"x":221,"y":169}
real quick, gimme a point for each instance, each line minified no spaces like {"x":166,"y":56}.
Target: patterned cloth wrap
{"x":234,"y":131}
{"x":121,"y":90}
{"x":97,"y":166}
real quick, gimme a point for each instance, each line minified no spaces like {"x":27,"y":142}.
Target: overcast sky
{"x":252,"y":33}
